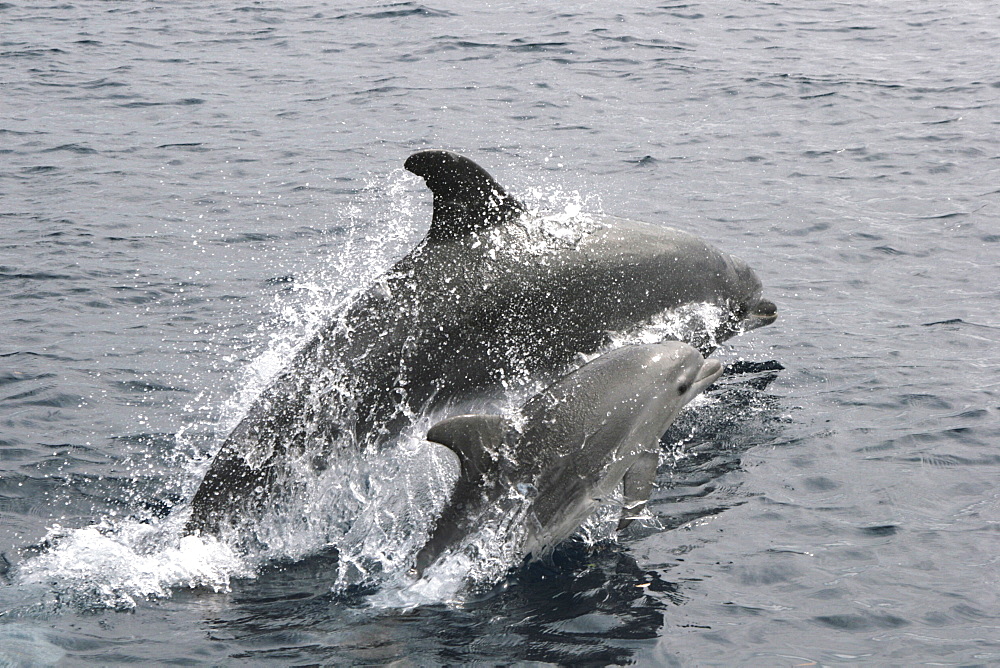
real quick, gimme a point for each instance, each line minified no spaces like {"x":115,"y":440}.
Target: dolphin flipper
{"x":476,"y":439}
{"x":466,"y":198}
{"x":638,"y":484}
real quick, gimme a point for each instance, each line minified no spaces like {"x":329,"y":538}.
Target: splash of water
{"x":697,"y":324}
{"x":117,"y":561}
{"x":114,"y":565}
{"x":541,"y":231}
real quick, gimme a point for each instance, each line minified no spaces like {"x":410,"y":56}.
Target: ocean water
{"x":188,"y":189}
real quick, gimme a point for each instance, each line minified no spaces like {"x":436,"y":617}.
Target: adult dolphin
{"x":488,"y":298}
{"x":598,"y":427}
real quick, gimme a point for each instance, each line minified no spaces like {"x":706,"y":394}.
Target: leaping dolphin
{"x":485,"y":300}
{"x":596,"y":428}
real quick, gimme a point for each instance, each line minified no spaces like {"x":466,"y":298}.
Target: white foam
{"x":115,"y":566}
{"x":677,"y":324}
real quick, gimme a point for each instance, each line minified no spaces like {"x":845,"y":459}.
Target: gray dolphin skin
{"x":478,"y":304}
{"x":596,"y":428}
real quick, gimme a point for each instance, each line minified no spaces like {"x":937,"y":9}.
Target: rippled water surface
{"x":187,"y":189}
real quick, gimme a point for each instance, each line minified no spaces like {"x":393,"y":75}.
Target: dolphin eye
{"x":683,"y":388}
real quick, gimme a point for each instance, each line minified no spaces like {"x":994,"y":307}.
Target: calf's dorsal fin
{"x":466,"y":198}
{"x":476,"y":439}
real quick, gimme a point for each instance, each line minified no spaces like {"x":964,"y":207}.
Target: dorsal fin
{"x":476,"y":439}
{"x":466,"y":198}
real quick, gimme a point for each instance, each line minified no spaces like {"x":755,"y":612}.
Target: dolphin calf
{"x":486,"y":300}
{"x":596,"y":428}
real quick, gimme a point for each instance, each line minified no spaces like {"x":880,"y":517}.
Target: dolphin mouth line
{"x":765,"y":312}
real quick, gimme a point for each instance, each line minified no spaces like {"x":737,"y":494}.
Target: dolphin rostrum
{"x":486,"y":300}
{"x":583,"y":436}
